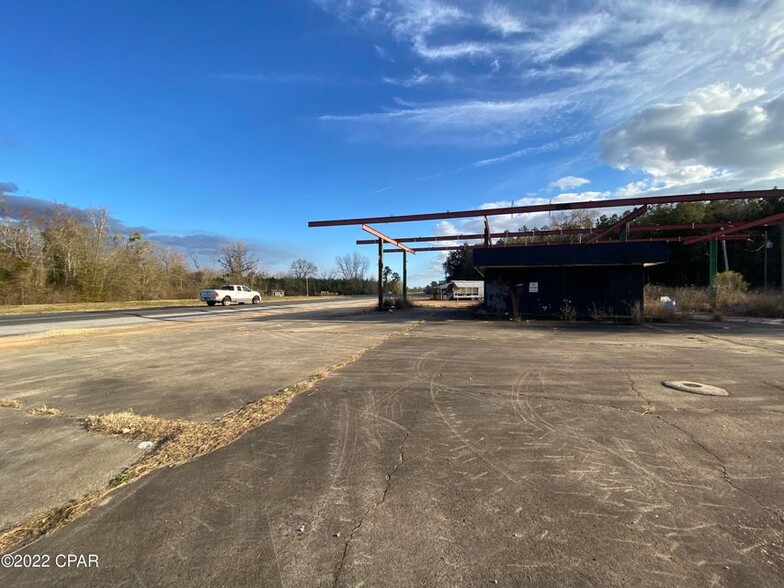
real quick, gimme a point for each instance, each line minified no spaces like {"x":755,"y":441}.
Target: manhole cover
{"x":695,"y":388}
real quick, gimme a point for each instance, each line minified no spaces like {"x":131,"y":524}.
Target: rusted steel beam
{"x":389,"y":240}
{"x":587,"y":205}
{"x":676,"y":227}
{"x":474,"y":236}
{"x":637,"y":212}
{"x":644,"y":240}
{"x":551,"y":232}
{"x":739,"y":227}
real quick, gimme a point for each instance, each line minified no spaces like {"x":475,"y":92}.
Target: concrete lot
{"x":467,"y":453}
{"x":194,"y":370}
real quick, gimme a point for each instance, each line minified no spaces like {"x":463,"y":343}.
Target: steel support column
{"x":781,"y":247}
{"x":405,"y":278}
{"x":380,"y":274}
{"x":713,"y":255}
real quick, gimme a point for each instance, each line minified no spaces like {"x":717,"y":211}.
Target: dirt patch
{"x":447,"y":303}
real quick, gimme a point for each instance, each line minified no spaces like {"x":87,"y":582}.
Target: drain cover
{"x":695,"y":388}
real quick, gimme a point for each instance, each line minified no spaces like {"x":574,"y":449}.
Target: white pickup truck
{"x":229,"y":294}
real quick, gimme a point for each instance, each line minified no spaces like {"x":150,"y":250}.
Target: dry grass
{"x":134,"y":426}
{"x":10,"y":403}
{"x":444,"y":303}
{"x":10,"y":309}
{"x":690,"y":300}
{"x":177,"y":442}
{"x":44,"y":410}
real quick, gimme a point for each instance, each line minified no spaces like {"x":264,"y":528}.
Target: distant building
{"x":279,"y":293}
{"x":461,"y":290}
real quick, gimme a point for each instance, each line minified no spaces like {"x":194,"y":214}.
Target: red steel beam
{"x":678,"y":227}
{"x":741,"y":227}
{"x":389,"y":240}
{"x":624,"y":221}
{"x":551,"y":232}
{"x":470,"y":236}
{"x":666,"y":239}
{"x":618,"y":203}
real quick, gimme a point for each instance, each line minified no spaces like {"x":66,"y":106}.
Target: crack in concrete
{"x":633,"y":388}
{"x":374,"y":507}
{"x":725,"y":473}
{"x":576,"y":401}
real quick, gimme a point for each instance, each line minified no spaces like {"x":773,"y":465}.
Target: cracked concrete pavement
{"x":194,"y":370}
{"x":474,"y":453}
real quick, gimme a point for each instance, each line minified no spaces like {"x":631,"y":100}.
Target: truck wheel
{"x":256,"y":300}
{"x":226,"y":301}
{"x":210,"y":303}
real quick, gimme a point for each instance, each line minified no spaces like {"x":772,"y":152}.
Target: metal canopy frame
{"x":586,"y":205}
{"x":624,"y":222}
{"x":554,"y":232}
{"x":678,"y":239}
{"x":741,"y":227}
{"x":726,"y":231}
{"x":399,"y":247}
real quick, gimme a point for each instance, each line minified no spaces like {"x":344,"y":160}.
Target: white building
{"x":462,"y":290}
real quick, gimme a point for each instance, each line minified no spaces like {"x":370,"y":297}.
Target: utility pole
{"x":307,"y":290}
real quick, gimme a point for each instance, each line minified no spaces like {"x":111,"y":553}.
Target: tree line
{"x":64,"y":255}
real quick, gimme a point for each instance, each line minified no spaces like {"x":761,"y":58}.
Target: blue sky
{"x":244,"y":120}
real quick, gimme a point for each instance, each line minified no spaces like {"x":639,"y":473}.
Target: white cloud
{"x":498,"y":18}
{"x":452,"y":51}
{"x":421,"y":79}
{"x":605,"y":59}
{"x":543,"y":148}
{"x":475,"y":122}
{"x":568,"y":36}
{"x":569,"y":182}
{"x":715,"y":133}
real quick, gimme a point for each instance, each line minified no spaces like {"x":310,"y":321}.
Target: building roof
{"x":592,"y":254}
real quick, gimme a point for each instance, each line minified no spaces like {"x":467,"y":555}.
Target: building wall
{"x":612,"y":290}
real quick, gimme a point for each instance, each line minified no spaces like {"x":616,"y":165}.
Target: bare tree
{"x":352,"y":266}
{"x":236,"y":261}
{"x":302,"y":268}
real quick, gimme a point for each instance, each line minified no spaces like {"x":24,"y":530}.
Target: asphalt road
{"x":44,"y":322}
{"x":476,"y":454}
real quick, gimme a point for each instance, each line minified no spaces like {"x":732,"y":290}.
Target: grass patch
{"x":134,"y":426}
{"x":177,"y":442}
{"x":54,"y":519}
{"x":44,"y":410}
{"x":730,"y":301}
{"x":10,"y":309}
{"x":10,"y":403}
